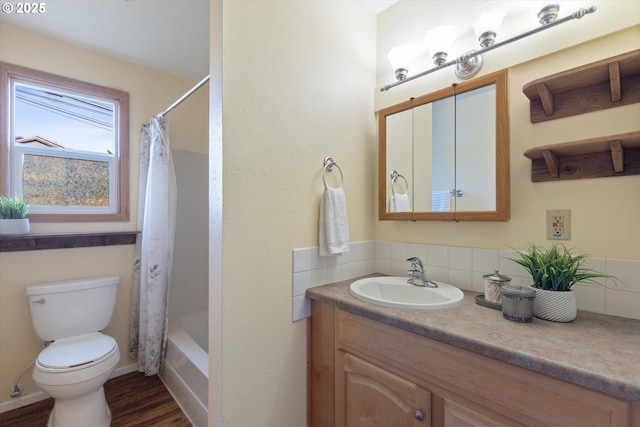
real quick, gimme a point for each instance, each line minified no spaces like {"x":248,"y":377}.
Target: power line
{"x":65,"y":105}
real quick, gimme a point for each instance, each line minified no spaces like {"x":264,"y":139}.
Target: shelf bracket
{"x":546,"y":97}
{"x":552,"y":162}
{"x":614,"y":79}
{"x":617,"y":155}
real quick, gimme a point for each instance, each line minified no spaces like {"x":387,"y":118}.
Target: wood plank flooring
{"x":135,"y":400}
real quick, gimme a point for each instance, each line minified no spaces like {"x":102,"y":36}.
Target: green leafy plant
{"x":13,"y":207}
{"x":557,"y":268}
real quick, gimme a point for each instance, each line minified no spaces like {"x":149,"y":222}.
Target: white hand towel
{"x":400,"y":203}
{"x":334,"y":227}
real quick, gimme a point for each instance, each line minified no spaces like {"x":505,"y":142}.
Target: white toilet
{"x":79,"y":359}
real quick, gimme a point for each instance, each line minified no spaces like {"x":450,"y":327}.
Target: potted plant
{"x":554,"y":272}
{"x":13,"y":216}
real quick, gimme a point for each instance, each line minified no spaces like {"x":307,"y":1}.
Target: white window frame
{"x":11,"y":154}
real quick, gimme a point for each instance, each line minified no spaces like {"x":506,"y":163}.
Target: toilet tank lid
{"x":76,"y":351}
{"x":72,"y":285}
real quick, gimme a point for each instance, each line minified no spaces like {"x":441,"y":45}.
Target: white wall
{"x":298,"y":82}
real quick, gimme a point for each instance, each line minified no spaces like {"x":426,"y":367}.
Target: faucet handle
{"x":416,"y":264}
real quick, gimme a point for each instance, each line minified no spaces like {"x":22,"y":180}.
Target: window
{"x":64,"y":146}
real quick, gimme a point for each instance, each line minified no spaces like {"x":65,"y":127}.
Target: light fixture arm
{"x":575,"y":15}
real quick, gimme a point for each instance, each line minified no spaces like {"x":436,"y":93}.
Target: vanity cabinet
{"x":367,"y":373}
{"x":375,"y":396}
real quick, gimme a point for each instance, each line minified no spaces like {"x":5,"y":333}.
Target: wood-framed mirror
{"x":444,"y":156}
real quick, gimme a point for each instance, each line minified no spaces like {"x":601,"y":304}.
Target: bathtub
{"x":186,"y":367}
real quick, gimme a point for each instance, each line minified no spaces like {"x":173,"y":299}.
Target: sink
{"x":397,"y":293}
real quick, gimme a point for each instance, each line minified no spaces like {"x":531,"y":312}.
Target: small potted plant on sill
{"x":13,"y":216}
{"x":554,"y":272}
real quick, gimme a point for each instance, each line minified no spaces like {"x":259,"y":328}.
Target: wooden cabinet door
{"x":458,"y":415}
{"x":375,"y":397}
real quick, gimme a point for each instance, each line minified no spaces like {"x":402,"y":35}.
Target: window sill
{"x":35,"y":242}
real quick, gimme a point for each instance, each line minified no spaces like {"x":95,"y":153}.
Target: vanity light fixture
{"x":486,"y":26}
{"x":401,"y":58}
{"x":439,"y":41}
{"x":487,"y":22}
{"x":548,"y":14}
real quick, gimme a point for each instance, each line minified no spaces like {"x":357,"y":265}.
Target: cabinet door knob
{"x":419,"y":415}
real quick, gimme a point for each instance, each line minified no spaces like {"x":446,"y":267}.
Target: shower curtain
{"x":154,"y":248}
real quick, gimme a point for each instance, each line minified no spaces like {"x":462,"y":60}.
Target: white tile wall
{"x":460,"y":266}
{"x":311,"y":269}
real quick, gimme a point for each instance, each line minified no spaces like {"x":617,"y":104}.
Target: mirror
{"x":445,"y":156}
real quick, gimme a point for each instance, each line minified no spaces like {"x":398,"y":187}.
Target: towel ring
{"x":328,"y":167}
{"x":394,"y":177}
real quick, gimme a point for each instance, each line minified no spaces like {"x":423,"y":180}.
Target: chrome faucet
{"x":417,"y":275}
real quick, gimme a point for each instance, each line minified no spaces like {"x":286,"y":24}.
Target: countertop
{"x":595,"y":351}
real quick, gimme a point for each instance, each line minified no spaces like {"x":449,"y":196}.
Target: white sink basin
{"x":397,"y":293}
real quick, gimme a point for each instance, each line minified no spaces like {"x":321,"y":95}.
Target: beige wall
{"x":150,"y":92}
{"x":298,"y":82}
{"x":604,"y":211}
{"x":297,"y":85}
{"x":19,"y":344}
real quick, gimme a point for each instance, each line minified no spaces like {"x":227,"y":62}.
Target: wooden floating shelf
{"x":34,"y":242}
{"x":614,"y":155}
{"x":609,"y":83}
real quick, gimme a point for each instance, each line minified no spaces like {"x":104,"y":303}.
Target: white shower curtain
{"x":154,"y":248}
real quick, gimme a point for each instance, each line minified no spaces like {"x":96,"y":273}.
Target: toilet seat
{"x":75,"y":353}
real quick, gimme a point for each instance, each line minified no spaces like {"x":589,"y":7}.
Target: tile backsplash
{"x":311,"y":269}
{"x":459,"y":266}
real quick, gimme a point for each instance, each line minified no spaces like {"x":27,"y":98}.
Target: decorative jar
{"x":493,"y":282}
{"x":517,"y":303}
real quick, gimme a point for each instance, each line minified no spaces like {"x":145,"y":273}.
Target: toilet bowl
{"x":76,"y":384}
{"x":78,"y":359}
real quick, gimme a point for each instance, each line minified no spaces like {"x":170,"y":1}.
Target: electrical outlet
{"x":559,"y":224}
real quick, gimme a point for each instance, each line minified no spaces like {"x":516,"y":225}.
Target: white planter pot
{"x":557,"y":306}
{"x":14,"y":227}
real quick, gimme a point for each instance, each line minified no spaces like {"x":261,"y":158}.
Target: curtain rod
{"x":185,"y":96}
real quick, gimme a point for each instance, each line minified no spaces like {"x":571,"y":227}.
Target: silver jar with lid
{"x":493,"y":283}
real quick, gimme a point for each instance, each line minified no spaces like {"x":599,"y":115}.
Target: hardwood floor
{"x":135,"y":400}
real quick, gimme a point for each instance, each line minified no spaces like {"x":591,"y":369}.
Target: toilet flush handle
{"x":38,"y":301}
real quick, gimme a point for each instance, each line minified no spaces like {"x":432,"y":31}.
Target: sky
{"x":75,"y":122}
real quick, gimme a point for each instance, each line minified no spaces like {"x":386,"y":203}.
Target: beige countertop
{"x":595,"y":351}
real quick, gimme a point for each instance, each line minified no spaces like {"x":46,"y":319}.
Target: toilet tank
{"x":73,"y":307}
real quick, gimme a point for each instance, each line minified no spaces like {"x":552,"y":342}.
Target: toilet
{"x":78,"y":359}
